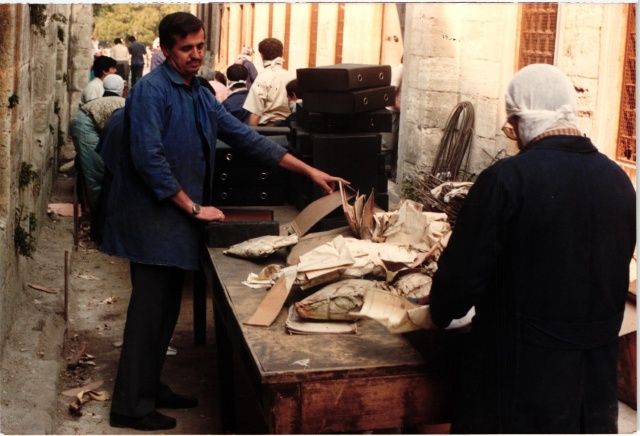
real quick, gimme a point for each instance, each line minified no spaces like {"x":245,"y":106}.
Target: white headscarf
{"x":543,"y":98}
{"x":276,"y":61}
{"x":114,"y":83}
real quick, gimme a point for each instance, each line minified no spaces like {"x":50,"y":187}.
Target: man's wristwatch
{"x":195,"y":209}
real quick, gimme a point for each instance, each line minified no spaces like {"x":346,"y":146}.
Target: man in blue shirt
{"x":138,"y":52}
{"x":237,"y":75}
{"x":157,"y":209}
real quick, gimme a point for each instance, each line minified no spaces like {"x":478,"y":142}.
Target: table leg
{"x":199,"y":307}
{"x":226,"y":374}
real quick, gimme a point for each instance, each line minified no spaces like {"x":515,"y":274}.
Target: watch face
{"x":195,"y":209}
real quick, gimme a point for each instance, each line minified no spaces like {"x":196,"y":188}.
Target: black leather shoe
{"x":177,"y":401}
{"x":151,"y":421}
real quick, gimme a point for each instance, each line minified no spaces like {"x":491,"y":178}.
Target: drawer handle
{"x":223,"y":176}
{"x":228,"y":156}
{"x":365,"y":101}
{"x":224,"y":195}
{"x":386,"y":97}
{"x":263,"y":176}
{"x":359,"y":77}
{"x":381,"y":75}
{"x":371,"y":122}
{"x":263,"y":196}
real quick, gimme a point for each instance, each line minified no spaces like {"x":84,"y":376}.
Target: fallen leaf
{"x":76,"y":405}
{"x":87,"y":276}
{"x":109,"y":300}
{"x":43,"y":288}
{"x":88,"y":387}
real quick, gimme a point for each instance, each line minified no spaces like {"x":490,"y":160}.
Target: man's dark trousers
{"x":136,"y":73}
{"x":151,"y":318}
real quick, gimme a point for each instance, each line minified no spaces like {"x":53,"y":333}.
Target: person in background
{"x":120,"y":53}
{"x":541,"y":248}
{"x":293,"y":95}
{"x":147,"y":56}
{"x":94,"y":45}
{"x":237,"y":76}
{"x":137,"y":52}
{"x":245,"y":58}
{"x":159,"y":205}
{"x":85,"y":128}
{"x":219,"y":83}
{"x":267,"y":99}
{"x":102,"y":67}
{"x":158,"y":56}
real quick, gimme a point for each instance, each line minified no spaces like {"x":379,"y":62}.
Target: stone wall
{"x":457,"y":52}
{"x":40,"y":52}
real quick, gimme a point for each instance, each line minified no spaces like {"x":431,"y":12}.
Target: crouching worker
{"x":86,"y":126}
{"x":158,"y":206}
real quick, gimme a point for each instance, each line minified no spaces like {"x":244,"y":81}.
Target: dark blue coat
{"x":234,"y":105}
{"x":541,"y":248}
{"x":170,"y":131}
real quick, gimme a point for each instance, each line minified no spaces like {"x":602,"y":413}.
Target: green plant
{"x":27,"y":175}
{"x":13,"y":100}
{"x":409,"y":191}
{"x":23,"y":239}
{"x":38,"y":18}
{"x":60,"y":135}
{"x":59,"y":18}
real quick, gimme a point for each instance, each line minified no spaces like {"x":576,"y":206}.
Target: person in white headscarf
{"x":541,"y":248}
{"x":541,"y":99}
{"x":85,"y":128}
{"x":245,"y":58}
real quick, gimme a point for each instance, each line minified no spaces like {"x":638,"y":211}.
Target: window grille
{"x":626,"y":149}
{"x":537,"y":34}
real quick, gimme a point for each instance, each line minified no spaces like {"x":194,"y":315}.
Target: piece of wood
{"x":284,"y":415}
{"x":382,"y":402}
{"x":271,"y":306}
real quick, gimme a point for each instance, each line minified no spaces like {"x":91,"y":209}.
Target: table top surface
{"x":282,"y":356}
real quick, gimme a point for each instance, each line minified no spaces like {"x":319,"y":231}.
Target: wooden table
{"x":324,"y":383}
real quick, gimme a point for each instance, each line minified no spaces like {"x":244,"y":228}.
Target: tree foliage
{"x":141,"y":20}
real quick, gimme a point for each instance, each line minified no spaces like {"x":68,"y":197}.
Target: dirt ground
{"x":46,"y":356}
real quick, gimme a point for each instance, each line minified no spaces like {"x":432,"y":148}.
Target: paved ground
{"x":40,"y":359}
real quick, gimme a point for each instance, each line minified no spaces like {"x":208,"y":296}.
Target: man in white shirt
{"x":102,"y":67}
{"x":120,"y":53}
{"x":267,"y":99}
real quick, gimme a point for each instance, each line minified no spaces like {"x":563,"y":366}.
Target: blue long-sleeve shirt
{"x":170,"y":132}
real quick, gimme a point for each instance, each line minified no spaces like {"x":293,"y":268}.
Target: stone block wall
{"x":457,"y":52}
{"x":35,"y":106}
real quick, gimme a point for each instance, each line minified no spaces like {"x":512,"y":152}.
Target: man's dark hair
{"x":132,"y":38}
{"x":220,"y":77}
{"x":178,"y":23}
{"x":292,"y":88}
{"x":237,"y":72}
{"x":117,"y":40}
{"x":102,"y":64}
{"x":270,"y":49}
{"x":205,"y":83}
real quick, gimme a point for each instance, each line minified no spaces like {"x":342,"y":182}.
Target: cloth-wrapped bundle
{"x":336,"y":300}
